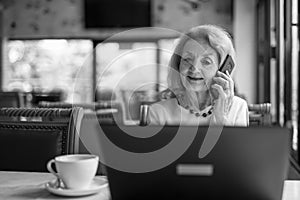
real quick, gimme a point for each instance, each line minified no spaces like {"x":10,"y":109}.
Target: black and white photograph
{"x":149,"y":100}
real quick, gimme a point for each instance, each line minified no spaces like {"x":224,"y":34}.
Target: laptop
{"x":245,"y":162}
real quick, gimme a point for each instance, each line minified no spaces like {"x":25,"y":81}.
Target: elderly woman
{"x":203,"y":94}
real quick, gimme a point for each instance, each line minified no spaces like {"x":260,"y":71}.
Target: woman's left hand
{"x":224,"y":86}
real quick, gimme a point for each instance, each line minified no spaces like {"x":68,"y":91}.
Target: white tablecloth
{"x":29,"y":185}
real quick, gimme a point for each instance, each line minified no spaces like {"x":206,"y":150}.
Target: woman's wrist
{"x":218,"y":119}
{"x":227,"y":105}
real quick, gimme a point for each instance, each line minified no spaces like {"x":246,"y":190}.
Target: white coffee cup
{"x":76,"y":170}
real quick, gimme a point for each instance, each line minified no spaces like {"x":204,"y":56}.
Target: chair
{"x":11,"y":99}
{"x":259,"y":114}
{"x":103,"y":112}
{"x":54,"y":96}
{"x":132,"y":101}
{"x":107,"y":112}
{"x":294,"y":169}
{"x":30,"y":137}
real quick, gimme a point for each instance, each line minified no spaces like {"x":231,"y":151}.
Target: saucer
{"x":96,"y":186}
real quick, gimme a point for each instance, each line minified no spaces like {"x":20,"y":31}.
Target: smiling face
{"x":198,"y":65}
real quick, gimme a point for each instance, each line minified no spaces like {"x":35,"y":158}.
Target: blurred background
{"x":83,"y":51}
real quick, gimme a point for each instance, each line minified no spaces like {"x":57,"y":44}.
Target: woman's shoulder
{"x":239,"y":99}
{"x":169,"y":103}
{"x":162,"y":111}
{"x":239,"y":102}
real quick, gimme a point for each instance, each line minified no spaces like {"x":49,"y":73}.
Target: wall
{"x":65,"y":18}
{"x":181,"y":15}
{"x":245,"y":43}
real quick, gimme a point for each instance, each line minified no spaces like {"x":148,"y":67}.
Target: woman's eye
{"x":187,"y":60}
{"x":206,"y":62}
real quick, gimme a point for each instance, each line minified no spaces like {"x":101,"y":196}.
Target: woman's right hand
{"x":222,"y":91}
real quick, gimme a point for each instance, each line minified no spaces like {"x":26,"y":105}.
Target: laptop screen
{"x":244,"y":162}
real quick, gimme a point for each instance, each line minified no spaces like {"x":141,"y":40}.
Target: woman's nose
{"x":195,"y":67}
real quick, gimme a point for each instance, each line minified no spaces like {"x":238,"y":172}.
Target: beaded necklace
{"x":198,"y":114}
{"x":184,"y":104}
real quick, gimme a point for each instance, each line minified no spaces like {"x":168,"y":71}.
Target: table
{"x":30,"y":185}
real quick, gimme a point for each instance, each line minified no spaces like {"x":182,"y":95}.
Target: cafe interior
{"x":70,"y":67}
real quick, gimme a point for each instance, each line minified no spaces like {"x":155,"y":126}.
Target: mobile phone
{"x":227,"y":65}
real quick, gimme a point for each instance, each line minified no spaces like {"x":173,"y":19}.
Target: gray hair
{"x":215,"y":36}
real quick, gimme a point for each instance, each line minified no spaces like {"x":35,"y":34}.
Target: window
{"x":50,"y":65}
{"x":125,"y":71}
{"x":131,"y":72}
{"x":166,"y":48}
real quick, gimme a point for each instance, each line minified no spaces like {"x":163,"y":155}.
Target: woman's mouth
{"x":192,"y":78}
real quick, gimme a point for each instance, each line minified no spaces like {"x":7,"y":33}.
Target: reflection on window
{"x":50,"y":65}
{"x":129,"y":71}
{"x":166,"y":48}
